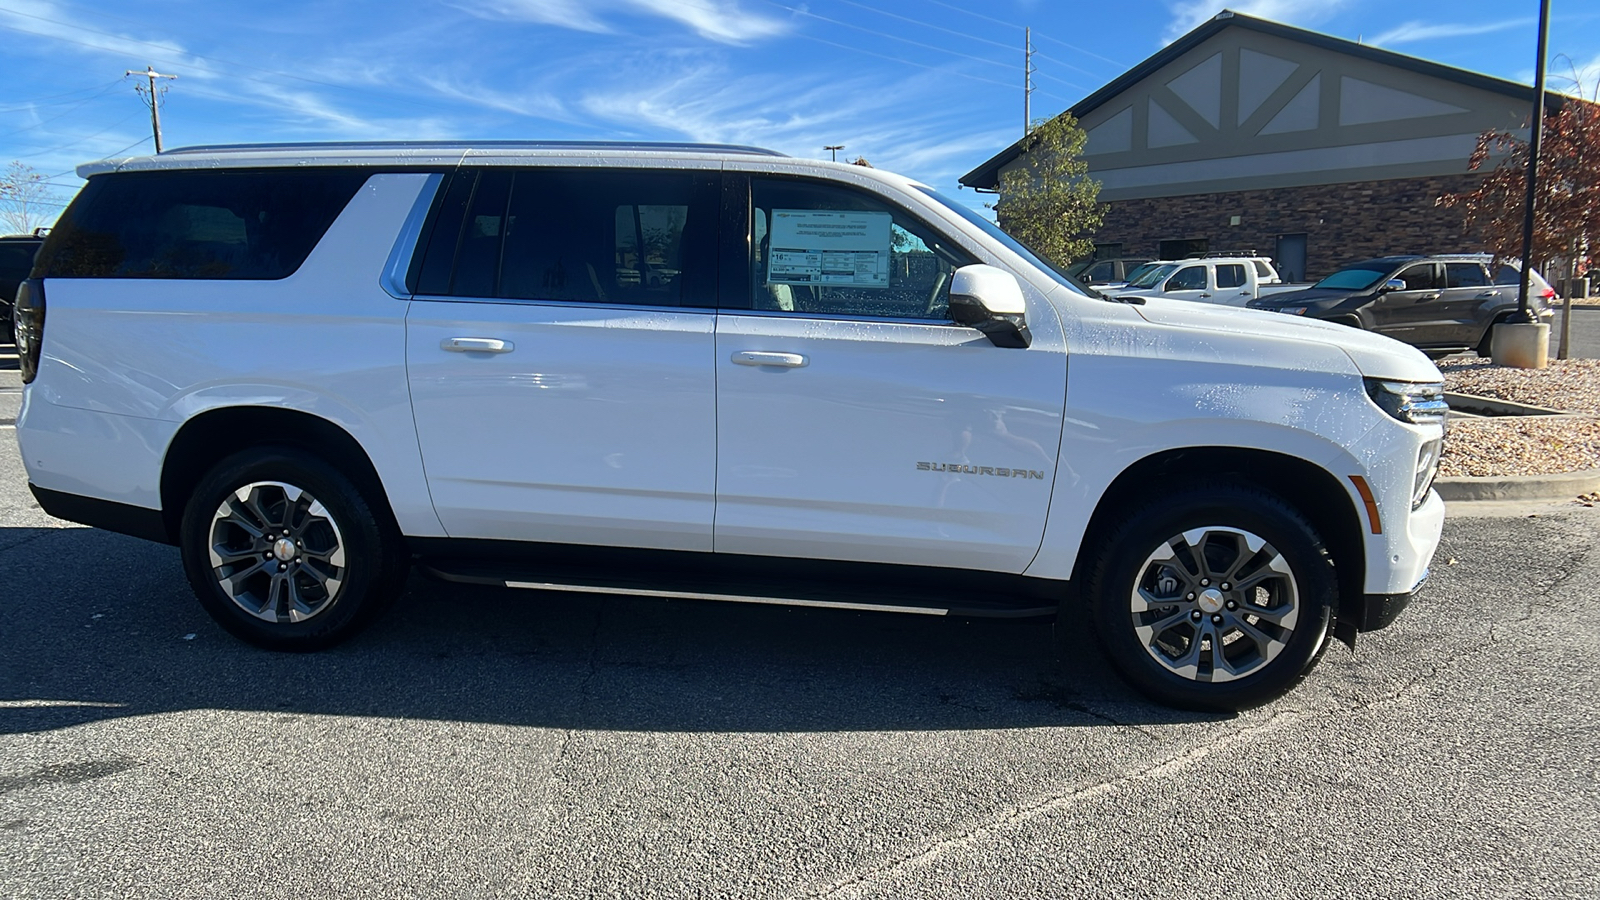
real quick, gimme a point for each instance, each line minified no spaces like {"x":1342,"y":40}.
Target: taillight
{"x":29,"y":327}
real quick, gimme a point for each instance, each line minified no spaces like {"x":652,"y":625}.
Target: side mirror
{"x":1393,"y":284}
{"x":990,"y":300}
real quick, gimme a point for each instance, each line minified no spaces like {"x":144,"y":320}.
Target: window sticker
{"x":829,"y":248}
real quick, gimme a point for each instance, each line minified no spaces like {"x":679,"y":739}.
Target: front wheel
{"x":1216,"y":599}
{"x":285,"y":552}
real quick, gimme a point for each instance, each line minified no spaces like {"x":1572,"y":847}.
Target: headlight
{"x":1427,"y":469}
{"x":1418,"y":404}
{"x":1293,"y":310}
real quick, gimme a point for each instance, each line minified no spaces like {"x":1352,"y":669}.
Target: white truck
{"x":1224,"y":280}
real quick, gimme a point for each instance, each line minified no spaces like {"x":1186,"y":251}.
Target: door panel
{"x":596,"y":426}
{"x":1467,"y":289}
{"x":565,"y":389}
{"x":894,"y":442}
{"x":1415,"y":312}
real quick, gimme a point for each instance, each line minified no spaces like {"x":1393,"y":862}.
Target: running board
{"x":728,"y":598}
{"x":899,"y":590}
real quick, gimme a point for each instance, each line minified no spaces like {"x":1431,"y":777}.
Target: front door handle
{"x":765,"y":358}
{"x":476,"y":345}
{"x":1433,"y":296}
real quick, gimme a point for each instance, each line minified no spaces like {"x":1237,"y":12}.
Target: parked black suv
{"x":1439,"y":304}
{"x":16,"y":260}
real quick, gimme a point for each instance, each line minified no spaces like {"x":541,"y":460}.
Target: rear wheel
{"x":1485,"y":346}
{"x":285,"y":552}
{"x":1217,"y":599}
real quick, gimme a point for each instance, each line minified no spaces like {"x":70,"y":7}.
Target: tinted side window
{"x":1262,"y":270}
{"x":1231,"y":275}
{"x":830,"y":250}
{"x":1105,"y":271}
{"x":584,"y":236}
{"x":1418,"y":278}
{"x":1192,"y":278}
{"x":1465,"y":275}
{"x":1508,"y":275}
{"x":231,"y":225}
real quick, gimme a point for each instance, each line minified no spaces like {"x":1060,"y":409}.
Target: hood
{"x":1374,"y":355}
{"x":1299,"y":298}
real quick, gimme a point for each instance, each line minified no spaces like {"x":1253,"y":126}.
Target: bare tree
{"x":26,"y":199}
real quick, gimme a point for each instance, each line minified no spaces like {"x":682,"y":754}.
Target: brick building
{"x":1248,"y":134}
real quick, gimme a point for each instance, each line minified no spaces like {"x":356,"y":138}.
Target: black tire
{"x":366,"y":566}
{"x":1485,"y":346}
{"x":1229,"y":517}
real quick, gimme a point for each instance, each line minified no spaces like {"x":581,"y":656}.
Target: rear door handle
{"x":765,"y":358}
{"x":476,"y":345}
{"x":1488,"y":295}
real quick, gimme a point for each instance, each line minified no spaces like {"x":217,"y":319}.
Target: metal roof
{"x":987,"y":175}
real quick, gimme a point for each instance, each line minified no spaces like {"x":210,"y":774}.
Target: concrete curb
{"x":1520,"y":487}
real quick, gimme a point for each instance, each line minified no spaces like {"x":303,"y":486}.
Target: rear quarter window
{"x":205,"y":225}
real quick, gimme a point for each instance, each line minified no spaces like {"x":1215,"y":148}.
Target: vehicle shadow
{"x":103,"y":626}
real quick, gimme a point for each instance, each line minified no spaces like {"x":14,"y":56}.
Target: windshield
{"x":1153,"y":277}
{"x":1140,"y":272}
{"x":1010,"y":243}
{"x":1355,"y":278}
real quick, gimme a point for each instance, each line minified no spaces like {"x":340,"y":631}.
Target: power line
{"x":960,"y":34}
{"x":69,"y":146}
{"x":1083,"y":51}
{"x":875,"y":33}
{"x":51,"y":100}
{"x":79,"y":105}
{"x":1035,"y":34}
{"x":973,"y":14}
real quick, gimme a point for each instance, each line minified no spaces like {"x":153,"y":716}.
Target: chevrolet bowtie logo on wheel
{"x":959,"y":469}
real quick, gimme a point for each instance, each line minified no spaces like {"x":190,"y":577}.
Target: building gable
{"x":1266,"y":105}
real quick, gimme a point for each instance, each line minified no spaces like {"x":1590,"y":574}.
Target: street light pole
{"x":1524,"y":315}
{"x":834,"y":149}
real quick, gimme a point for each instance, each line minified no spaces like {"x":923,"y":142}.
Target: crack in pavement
{"x":1015,"y":815}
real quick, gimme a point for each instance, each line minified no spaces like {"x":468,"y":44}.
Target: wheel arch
{"x":207,"y":438}
{"x":1310,"y":488}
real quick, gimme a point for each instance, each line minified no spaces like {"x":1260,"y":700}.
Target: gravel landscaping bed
{"x":1524,"y":445}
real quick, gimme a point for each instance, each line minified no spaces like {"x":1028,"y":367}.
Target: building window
{"x":1108,"y":251}
{"x":1182,"y":247}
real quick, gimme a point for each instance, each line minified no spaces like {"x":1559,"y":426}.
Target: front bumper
{"x":1378,"y":610}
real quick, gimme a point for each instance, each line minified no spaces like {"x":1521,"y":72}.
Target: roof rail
{"x":1219,"y":254}
{"x":666,"y":146}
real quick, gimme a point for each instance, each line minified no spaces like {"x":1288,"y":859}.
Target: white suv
{"x":706,"y":372}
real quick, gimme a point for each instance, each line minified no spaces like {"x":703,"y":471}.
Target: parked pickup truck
{"x":1226,"y":281}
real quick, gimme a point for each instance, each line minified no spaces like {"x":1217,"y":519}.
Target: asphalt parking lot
{"x":481,"y":743}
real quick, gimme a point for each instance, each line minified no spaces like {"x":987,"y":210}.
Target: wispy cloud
{"x":1412,"y":32}
{"x":725,"y":21}
{"x":36,"y":19}
{"x":1187,"y":14}
{"x":704,"y":101}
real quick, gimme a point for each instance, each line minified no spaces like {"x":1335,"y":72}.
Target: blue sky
{"x":929,"y":88}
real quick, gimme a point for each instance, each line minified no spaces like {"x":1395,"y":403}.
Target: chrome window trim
{"x":564,"y":304}
{"x":393,"y":279}
{"x":830,"y":317}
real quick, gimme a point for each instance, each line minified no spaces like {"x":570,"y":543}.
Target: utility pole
{"x":1523,"y":314}
{"x":834,"y":149}
{"x":152,"y":96}
{"x":1028,"y":69}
